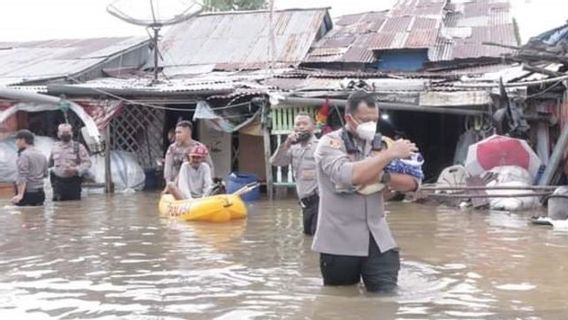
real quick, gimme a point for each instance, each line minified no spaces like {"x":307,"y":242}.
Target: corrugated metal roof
{"x":449,"y":31}
{"x":327,"y":51}
{"x":326,"y":54}
{"x":410,"y":24}
{"x":240,"y":40}
{"x":340,"y":74}
{"x":36,"y":89}
{"x":408,"y":32}
{"x":350,"y":39}
{"x":397,"y":24}
{"x":458,"y":98}
{"x":418,"y":8}
{"x":42,"y":60}
{"x":511,"y":73}
{"x":213,"y":81}
{"x":469,"y":24}
{"x":284,"y":83}
{"x":332,"y":84}
{"x":443,"y":50}
{"x":421,"y":38}
{"x":359,"y":51}
{"x":478,"y":70}
{"x":146,"y":85}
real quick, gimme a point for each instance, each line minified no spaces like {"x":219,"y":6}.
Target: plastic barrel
{"x":237,"y":180}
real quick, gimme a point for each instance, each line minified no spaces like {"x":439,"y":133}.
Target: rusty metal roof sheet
{"x":349,"y":40}
{"x":42,"y":60}
{"x":240,"y":40}
{"x":411,"y":24}
{"x":332,"y":84}
{"x":470,"y":23}
{"x":418,"y":8}
{"x":359,"y":51}
{"x":449,"y":30}
{"x":226,"y":82}
{"x":407,"y":32}
{"x":177,"y":85}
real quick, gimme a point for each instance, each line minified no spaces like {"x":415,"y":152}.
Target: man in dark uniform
{"x":353,"y":237}
{"x":70,"y":161}
{"x":298,"y":150}
{"x":32,"y":169}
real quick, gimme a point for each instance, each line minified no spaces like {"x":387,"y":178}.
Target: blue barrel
{"x":237,"y":180}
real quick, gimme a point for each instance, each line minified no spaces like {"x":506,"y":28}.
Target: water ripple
{"x":113,"y":257}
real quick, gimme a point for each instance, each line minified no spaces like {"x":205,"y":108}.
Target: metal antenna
{"x":155,"y":22}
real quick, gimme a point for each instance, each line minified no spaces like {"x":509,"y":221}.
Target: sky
{"x":25,"y":20}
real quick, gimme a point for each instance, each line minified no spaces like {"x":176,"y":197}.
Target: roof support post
{"x":267,"y":149}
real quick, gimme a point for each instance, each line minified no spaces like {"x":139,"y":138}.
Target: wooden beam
{"x":544,"y":57}
{"x":501,"y":45}
{"x":267,"y":150}
{"x":109,"y":186}
{"x":386,"y":106}
{"x":530,"y":68}
{"x":555,"y":158}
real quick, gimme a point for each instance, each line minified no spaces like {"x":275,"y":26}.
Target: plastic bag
{"x":125,"y":169}
{"x":511,"y":176}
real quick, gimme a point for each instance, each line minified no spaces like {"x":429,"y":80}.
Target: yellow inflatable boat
{"x":218,"y":208}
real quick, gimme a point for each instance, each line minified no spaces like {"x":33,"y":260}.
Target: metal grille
{"x":283,"y":175}
{"x":139,"y":130}
{"x":283,"y":118}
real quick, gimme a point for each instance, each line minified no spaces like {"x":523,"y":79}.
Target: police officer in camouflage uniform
{"x":298,"y":150}
{"x":32,"y":169}
{"x":353,"y":237}
{"x":178,"y":151}
{"x":69,"y":161}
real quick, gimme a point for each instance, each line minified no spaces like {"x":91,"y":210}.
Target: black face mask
{"x":65,"y":137}
{"x":303,"y":136}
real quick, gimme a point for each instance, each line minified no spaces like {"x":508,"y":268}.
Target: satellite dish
{"x":153,"y":16}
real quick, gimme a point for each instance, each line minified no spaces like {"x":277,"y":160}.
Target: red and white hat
{"x":199,"y":151}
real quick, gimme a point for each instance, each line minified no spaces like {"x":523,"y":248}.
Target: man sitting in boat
{"x":194,"y":179}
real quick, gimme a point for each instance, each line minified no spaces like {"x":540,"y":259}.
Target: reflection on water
{"x":113,"y":257}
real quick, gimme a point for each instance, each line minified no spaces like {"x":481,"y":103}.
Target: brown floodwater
{"x":110,"y":257}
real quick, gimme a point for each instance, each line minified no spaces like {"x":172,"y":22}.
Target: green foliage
{"x":232,"y":5}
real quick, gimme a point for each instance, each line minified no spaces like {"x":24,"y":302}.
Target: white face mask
{"x":367,"y":130}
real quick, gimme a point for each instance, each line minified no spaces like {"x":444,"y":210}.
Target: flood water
{"x":113,"y":257}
